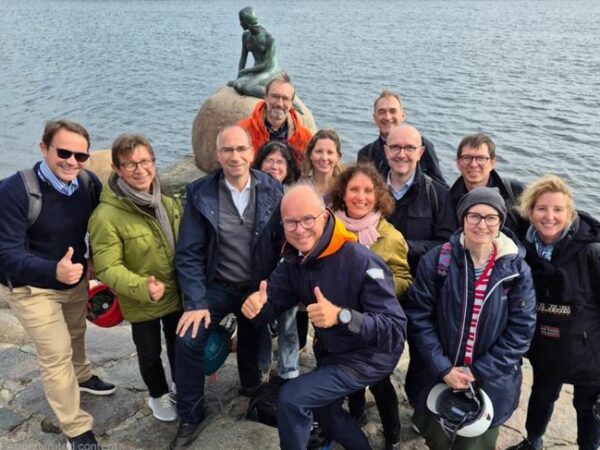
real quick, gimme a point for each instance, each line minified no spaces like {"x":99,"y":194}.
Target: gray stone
{"x":9,"y":420}
{"x":175,"y":178}
{"x":3,"y":301}
{"x":104,"y":345}
{"x":18,"y":366}
{"x":11,"y":331}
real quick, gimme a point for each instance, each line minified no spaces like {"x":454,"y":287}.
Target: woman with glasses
{"x":361,"y":200}
{"x":471,"y":312}
{"x":563,"y":250}
{"x":322,"y":160}
{"x":133,"y":233}
{"x":275,"y":158}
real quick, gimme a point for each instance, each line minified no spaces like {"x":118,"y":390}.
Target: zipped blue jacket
{"x":439,"y":311}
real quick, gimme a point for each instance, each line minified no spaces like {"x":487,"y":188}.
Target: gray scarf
{"x":152,"y":201}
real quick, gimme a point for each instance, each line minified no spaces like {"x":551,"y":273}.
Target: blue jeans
{"x":541,"y":406}
{"x":189,"y":361}
{"x":287,"y":342}
{"x":320,"y":392}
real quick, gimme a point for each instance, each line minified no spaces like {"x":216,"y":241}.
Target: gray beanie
{"x":481,"y":195}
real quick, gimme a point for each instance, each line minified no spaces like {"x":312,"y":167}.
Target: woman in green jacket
{"x":361,"y":200}
{"x":133,"y":233}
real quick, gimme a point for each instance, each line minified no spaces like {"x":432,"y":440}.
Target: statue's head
{"x":248,"y":18}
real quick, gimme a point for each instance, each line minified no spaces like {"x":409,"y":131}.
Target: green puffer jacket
{"x":129,"y":246}
{"x":392,"y":247}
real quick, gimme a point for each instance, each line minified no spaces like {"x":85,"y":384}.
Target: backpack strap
{"x":34,"y":194}
{"x":431,"y":195}
{"x":86,"y":180}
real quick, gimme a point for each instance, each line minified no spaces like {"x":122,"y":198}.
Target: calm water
{"x":526,"y":72}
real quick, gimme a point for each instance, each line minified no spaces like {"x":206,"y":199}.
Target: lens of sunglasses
{"x":66,"y":154}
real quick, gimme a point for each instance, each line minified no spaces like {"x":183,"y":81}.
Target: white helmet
{"x":467,"y":413}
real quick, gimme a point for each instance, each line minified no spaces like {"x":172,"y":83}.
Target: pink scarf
{"x":365,"y":228}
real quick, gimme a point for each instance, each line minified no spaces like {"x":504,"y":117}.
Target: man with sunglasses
{"x":43,"y":272}
{"x":423,"y":211}
{"x":230,"y":238}
{"x":276,"y":119}
{"x":476,"y":162}
{"x":350,"y":299}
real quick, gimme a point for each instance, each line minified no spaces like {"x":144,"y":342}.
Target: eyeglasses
{"x":283,"y":98}
{"x":66,"y":154}
{"x":491,"y":220}
{"x":465,"y":160}
{"x":307,"y":222}
{"x":231,"y":150}
{"x":131,"y":166}
{"x":395,"y":149}
{"x":275,"y":162}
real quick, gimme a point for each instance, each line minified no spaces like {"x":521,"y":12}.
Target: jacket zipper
{"x":464,"y":315}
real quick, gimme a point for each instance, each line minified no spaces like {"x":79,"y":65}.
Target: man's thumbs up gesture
{"x":322,"y":314}
{"x":255,"y":302}
{"x":66,"y":271}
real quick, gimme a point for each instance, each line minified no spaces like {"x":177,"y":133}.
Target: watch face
{"x":345,"y":316}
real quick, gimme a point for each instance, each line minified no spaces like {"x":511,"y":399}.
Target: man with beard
{"x":388,"y":111}
{"x":274,"y":118}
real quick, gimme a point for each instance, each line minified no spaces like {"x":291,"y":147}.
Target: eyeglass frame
{"x":131,"y":166}
{"x":63,"y":153}
{"x":295,"y":222}
{"x":476,"y":158}
{"x":283,"y":98}
{"x":397,"y":149}
{"x":484,"y":218}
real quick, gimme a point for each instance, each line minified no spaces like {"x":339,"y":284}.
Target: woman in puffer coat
{"x":563,"y":250}
{"x":133,"y":232}
{"x":471,"y":313}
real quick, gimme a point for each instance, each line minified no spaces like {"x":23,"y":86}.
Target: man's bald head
{"x":304,"y":217}
{"x":406,"y":132}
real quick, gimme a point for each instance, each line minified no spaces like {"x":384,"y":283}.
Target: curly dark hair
{"x":273,"y":146}
{"x":384,"y":202}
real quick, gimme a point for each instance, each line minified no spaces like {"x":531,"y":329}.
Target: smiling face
{"x":550,"y":215}
{"x":403,"y":163}
{"x":324,"y":156}
{"x":279,"y":101}
{"x":302,"y":202}
{"x":481,"y":233}
{"x":475,"y":173}
{"x":275,"y":165}
{"x":234,"y":153}
{"x":137,"y":169}
{"x":388,"y":113}
{"x":359,"y":196}
{"x":65,"y":170}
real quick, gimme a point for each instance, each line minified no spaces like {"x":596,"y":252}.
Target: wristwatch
{"x":344,"y":316}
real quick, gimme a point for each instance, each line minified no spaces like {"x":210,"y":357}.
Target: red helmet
{"x":103,"y":307}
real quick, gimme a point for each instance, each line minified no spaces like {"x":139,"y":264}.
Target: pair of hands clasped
{"x":322,"y":314}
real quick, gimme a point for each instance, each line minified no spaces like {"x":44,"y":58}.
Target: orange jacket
{"x":298,"y":135}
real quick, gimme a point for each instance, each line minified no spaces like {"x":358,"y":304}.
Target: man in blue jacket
{"x":229,"y":240}
{"x":359,"y":325}
{"x":43,"y":271}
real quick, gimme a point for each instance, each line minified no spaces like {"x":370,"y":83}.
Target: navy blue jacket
{"x":566,"y":346}
{"x":350,"y":276}
{"x":196,"y":251}
{"x":439,"y":310}
{"x":28,"y":256}
{"x":514,"y":221}
{"x":429,"y":163}
{"x":424,"y":226}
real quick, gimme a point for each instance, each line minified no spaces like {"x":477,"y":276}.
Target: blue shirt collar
{"x":47,"y":175}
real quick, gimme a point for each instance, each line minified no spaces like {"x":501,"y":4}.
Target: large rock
{"x":100,"y":163}
{"x":174,"y":178}
{"x":11,"y":331}
{"x":226,"y":107}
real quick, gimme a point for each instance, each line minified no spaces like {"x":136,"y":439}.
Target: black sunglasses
{"x":66,"y":154}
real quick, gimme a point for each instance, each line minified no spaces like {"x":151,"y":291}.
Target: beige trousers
{"x":55,"y":321}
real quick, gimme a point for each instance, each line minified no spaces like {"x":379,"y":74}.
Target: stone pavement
{"x":124,"y":422}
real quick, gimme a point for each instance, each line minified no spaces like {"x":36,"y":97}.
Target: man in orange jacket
{"x":275,"y":119}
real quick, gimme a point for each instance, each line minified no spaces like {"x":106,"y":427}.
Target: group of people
{"x":474,"y":276}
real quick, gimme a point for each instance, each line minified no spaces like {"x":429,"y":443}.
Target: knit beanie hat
{"x":481,"y":195}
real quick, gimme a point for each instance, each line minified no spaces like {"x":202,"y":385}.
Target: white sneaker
{"x":162,"y":408}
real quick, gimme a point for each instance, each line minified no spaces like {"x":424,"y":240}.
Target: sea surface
{"x":525,"y":72}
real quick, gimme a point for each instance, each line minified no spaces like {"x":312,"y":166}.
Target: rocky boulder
{"x":226,"y":107}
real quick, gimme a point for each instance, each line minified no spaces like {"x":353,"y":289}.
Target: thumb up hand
{"x":66,"y":271}
{"x":155,"y":288}
{"x":323,"y":313}
{"x":255,"y":302}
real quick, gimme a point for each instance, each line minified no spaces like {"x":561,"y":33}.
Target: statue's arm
{"x":244,"y":55}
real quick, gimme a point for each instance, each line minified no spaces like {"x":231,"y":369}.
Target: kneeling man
{"x":360,"y":327}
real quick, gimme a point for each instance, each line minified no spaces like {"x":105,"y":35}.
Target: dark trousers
{"x":319,"y":394}
{"x":302,"y":325}
{"x":190,"y":352}
{"x":541,"y":406}
{"x":147,"y":340}
{"x":387,"y":405}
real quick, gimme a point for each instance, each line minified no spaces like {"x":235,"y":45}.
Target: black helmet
{"x":466,"y":413}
